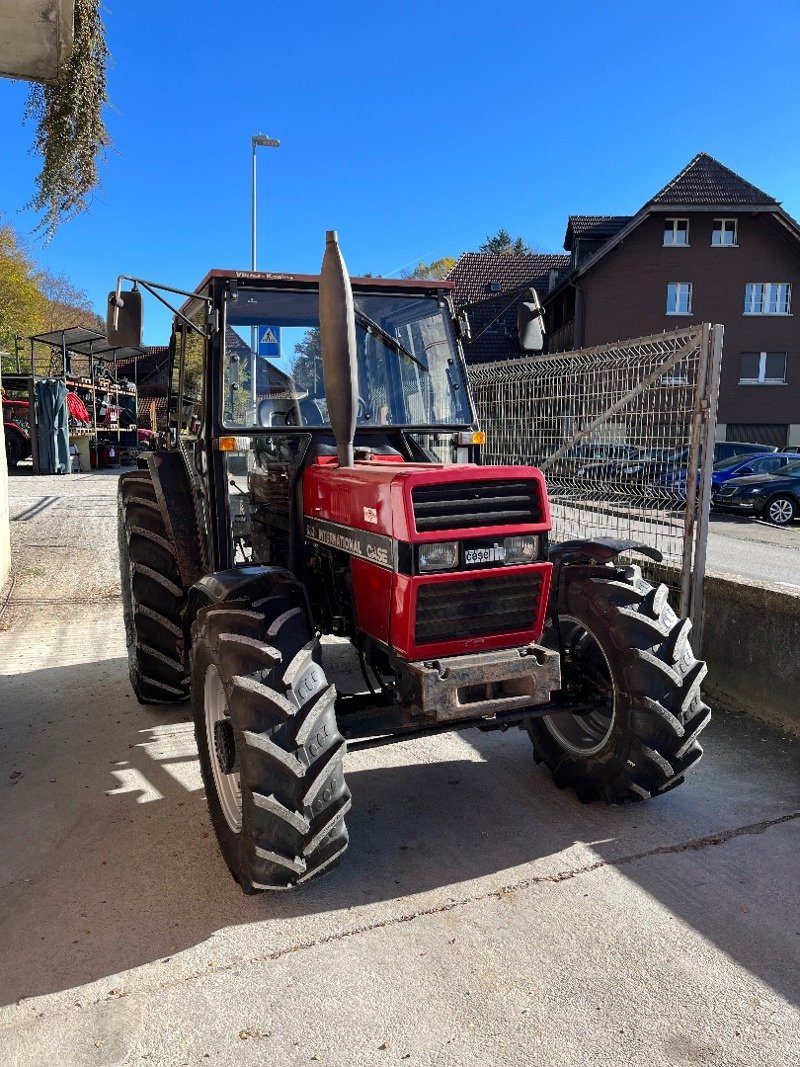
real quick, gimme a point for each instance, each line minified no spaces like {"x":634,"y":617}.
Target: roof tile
{"x":474,"y":272}
{"x":706,"y":181}
{"x":593,"y":227}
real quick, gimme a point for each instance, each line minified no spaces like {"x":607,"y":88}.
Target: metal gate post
{"x":692,"y":463}
{"x":704,"y":504}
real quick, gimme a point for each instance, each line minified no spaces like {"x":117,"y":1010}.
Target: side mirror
{"x":124,"y":319}
{"x":745,"y":470}
{"x":530,"y":324}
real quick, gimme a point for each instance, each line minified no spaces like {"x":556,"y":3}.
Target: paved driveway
{"x":480,"y":916}
{"x":754,"y":549}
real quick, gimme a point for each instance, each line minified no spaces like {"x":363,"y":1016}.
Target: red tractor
{"x":340,"y":492}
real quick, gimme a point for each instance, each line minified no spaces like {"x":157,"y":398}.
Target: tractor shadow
{"x":109,"y":862}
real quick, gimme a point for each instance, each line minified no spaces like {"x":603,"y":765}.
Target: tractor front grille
{"x":464,"y":505}
{"x":477,"y":607}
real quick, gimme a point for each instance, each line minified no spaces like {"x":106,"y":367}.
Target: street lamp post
{"x":259,"y":140}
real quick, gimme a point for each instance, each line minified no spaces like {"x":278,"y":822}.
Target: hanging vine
{"x":70,"y":133}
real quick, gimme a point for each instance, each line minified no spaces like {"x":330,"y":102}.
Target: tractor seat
{"x":289,"y":413}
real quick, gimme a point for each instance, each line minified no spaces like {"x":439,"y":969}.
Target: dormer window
{"x":676,"y":232}
{"x":724,"y":233}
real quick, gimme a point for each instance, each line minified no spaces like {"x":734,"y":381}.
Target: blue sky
{"x":414,"y":129}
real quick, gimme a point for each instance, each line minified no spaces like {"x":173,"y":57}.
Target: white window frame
{"x":759,"y":295}
{"x":726,"y":226}
{"x":681,"y":288}
{"x":671,"y":231}
{"x":762,"y":378}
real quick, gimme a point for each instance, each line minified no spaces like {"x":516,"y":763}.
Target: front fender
{"x":241,"y":584}
{"x":588,"y":555}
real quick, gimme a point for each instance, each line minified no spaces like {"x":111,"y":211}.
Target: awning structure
{"x":75,"y":335}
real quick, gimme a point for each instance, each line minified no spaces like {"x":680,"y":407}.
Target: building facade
{"x":709,"y":247}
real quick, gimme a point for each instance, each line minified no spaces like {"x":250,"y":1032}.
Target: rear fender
{"x":179,"y":509}
{"x":592,"y":556}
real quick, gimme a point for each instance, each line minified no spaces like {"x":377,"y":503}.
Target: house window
{"x":724,"y":233}
{"x":762,"y":368}
{"x":679,"y":298}
{"x":767,"y":298}
{"x":676,"y":231}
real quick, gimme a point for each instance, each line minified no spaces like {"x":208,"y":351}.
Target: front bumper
{"x":738,"y":504}
{"x":479,"y":684}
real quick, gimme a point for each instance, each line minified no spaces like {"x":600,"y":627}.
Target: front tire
{"x":270,"y":751}
{"x":627,"y":662}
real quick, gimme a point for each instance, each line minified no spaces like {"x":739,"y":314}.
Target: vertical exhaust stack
{"x":337,"y":327}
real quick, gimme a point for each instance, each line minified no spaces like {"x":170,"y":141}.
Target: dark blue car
{"x":741,"y":466}
{"x":672,"y":485}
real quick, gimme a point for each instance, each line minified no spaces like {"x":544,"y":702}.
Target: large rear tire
{"x":270,"y":751}
{"x":153,"y":596}
{"x":626,"y":654}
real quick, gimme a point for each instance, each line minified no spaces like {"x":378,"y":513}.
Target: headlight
{"x":439,"y":556}
{"x":524,"y":549}
{"x":752,"y":492}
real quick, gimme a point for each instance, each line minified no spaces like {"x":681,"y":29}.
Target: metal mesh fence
{"x":616,"y":429}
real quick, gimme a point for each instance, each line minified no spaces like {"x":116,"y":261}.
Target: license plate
{"x":484,"y":554}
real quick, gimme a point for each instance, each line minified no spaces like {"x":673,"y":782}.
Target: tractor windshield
{"x":408,"y":370}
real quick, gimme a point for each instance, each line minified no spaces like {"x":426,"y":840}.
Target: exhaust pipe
{"x":337,"y":328}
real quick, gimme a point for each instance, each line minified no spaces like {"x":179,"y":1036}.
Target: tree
{"x":307,"y":369}
{"x":502,"y":244}
{"x":34,"y":301}
{"x":67,"y":305}
{"x":23,"y":305}
{"x":438,"y":268}
{"x":70,"y":132}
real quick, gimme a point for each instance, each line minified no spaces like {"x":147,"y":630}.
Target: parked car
{"x":729,"y":449}
{"x":576,"y":459}
{"x":741,"y":466}
{"x":17,"y":430}
{"x":670,"y":487}
{"x":775,"y":497}
{"x":635,"y":463}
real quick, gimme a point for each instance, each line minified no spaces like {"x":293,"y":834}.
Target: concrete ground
{"x":480,"y":916}
{"x":754,"y":548}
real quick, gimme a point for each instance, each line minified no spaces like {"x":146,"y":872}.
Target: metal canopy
{"x":69,"y":338}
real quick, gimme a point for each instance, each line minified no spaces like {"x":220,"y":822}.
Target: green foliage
{"x":503,"y":244}
{"x":70,"y":133}
{"x":32,"y":300}
{"x":438,"y":268}
{"x":22,"y":303}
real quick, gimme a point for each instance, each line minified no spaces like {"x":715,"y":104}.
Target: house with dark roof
{"x":491,"y":286}
{"x":708,"y":247}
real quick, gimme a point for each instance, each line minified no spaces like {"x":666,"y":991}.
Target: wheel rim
{"x":228,"y":786}
{"x":781,"y":511}
{"x":586,"y":733}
